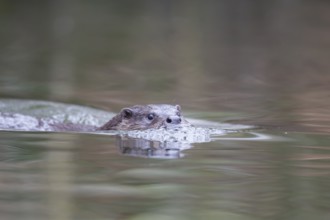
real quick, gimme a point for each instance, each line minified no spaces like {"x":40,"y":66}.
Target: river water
{"x":252,"y":63}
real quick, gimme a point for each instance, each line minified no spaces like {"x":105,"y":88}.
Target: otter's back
{"x":31,"y":115}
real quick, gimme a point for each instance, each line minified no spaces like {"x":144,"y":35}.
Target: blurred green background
{"x":267,"y":58}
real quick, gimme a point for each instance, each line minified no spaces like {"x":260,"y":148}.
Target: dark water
{"x":244,"y":62}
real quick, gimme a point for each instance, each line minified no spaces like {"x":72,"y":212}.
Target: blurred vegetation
{"x":267,"y":58}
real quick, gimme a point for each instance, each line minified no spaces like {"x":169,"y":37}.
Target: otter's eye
{"x":150,"y":117}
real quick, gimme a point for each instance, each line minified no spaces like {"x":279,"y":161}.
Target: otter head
{"x":141,"y":117}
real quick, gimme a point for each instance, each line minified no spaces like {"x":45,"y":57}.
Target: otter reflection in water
{"x":159,"y":120}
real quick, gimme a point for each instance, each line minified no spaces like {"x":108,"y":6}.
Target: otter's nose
{"x":173,"y":120}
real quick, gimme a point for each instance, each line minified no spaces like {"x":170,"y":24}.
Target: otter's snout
{"x":173,"y":120}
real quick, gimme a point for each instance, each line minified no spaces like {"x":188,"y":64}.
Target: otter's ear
{"x":178,"y":107}
{"x":126,"y":113}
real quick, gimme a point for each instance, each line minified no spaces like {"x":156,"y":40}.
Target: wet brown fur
{"x":137,"y":118}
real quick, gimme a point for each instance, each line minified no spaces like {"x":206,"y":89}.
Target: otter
{"x":142,"y":117}
{"x":137,"y":117}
